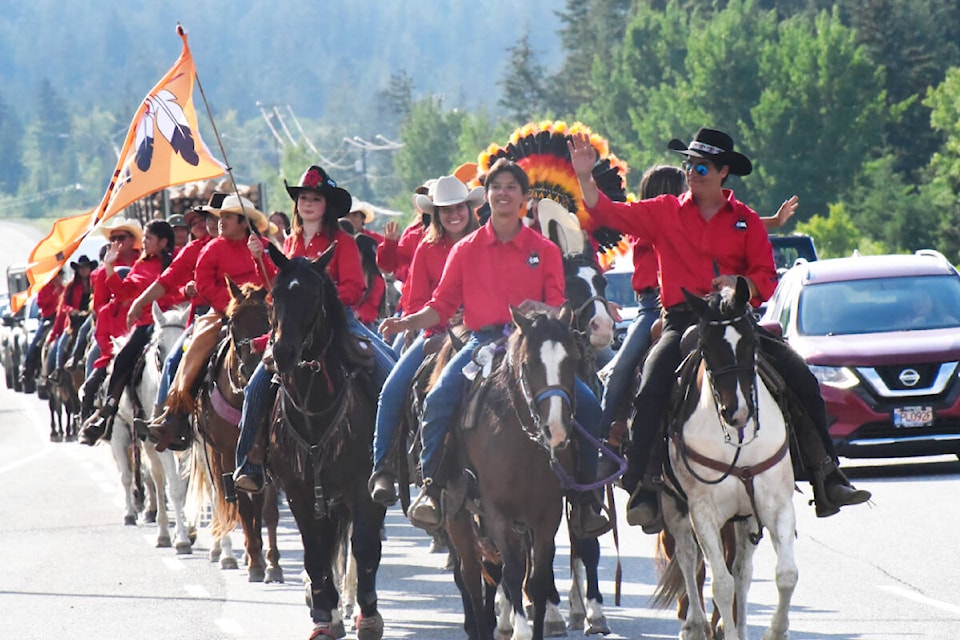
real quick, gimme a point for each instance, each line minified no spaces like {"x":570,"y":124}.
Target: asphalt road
{"x":70,"y":569}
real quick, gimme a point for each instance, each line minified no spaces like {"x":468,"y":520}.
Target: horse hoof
{"x":214,"y":555}
{"x":228,"y":563}
{"x":576,"y":621}
{"x":150,"y":517}
{"x":130,"y":521}
{"x":327,"y":630}
{"x":597,"y":626}
{"x":554,"y":629}
{"x":370,"y":627}
{"x":55,"y":438}
{"x":274,"y":574}
{"x":164,"y":542}
{"x":256,"y":574}
{"x":184,"y":548}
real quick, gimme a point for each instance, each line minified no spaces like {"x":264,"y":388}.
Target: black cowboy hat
{"x":316,"y":179}
{"x":84,"y":261}
{"x":715,"y":146}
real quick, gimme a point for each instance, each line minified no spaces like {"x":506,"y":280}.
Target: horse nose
{"x":734,"y":415}
{"x":601,"y":331}
{"x":283,"y":353}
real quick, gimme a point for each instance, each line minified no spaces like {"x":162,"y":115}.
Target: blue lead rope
{"x":567,"y":481}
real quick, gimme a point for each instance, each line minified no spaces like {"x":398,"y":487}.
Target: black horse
{"x":321,"y":436}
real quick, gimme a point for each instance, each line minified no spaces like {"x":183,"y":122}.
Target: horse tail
{"x":203,"y":473}
{"x":226,"y":515}
{"x":199,"y":487}
{"x":671,"y":584}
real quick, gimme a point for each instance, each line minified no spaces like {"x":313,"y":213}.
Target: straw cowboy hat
{"x":316,"y":179}
{"x":715,"y":146}
{"x":366,"y":209}
{"x":117,"y":223}
{"x":447,"y":191}
{"x":242,"y":206}
{"x":567,"y":226}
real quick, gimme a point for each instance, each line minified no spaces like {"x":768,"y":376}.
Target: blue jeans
{"x":260,"y":392}
{"x":83,"y":335}
{"x":628,"y":357}
{"x":392,"y":398}
{"x":442,"y":402}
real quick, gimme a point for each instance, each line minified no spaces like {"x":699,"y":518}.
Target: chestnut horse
{"x":218,"y":414}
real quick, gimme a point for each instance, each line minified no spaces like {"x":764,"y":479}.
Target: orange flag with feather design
{"x":162,"y":149}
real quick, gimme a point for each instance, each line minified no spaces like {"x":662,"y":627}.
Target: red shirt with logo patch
{"x":486,"y":276}
{"x":692,"y":250}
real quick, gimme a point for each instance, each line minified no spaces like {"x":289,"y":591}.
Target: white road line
{"x":196,"y":591}
{"x":23,"y":461}
{"x":922,"y":599}
{"x":229,"y":626}
{"x":171,"y":563}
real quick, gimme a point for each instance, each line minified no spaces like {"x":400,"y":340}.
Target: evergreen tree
{"x":523,"y":94}
{"x":430,"y":147}
{"x":49,"y":157}
{"x":11,"y":134}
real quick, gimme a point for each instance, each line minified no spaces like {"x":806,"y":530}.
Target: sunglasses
{"x":120,"y":237}
{"x":701,"y":168}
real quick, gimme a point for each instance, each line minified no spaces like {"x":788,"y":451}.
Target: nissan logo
{"x":909,"y":377}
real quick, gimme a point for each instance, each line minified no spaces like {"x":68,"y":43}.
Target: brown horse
{"x":516,"y":427}
{"x":320,"y":439}
{"x":218,"y":414}
{"x":63,"y":388}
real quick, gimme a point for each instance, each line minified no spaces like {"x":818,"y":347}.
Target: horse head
{"x":728,"y":345}
{"x":543,"y":357}
{"x":248,"y":318}
{"x":307,"y":312}
{"x":167,"y":327}
{"x":586,"y":291}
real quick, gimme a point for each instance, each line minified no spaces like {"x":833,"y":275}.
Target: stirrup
{"x":425,"y":501}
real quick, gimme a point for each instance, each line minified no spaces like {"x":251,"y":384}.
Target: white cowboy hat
{"x":447,"y":191}
{"x":569,"y":234}
{"x":118,"y":223}
{"x":238,"y":204}
{"x":365,"y":208}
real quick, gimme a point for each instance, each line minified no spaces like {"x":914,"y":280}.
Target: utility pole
{"x":361,"y":164}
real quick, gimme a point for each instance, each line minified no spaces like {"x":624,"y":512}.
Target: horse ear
{"x":566,"y":314}
{"x":742,"y":292}
{"x":320,"y":264}
{"x":235,"y":291}
{"x":277,"y":255}
{"x":523,"y":322}
{"x":157,"y":313}
{"x":697,"y":304}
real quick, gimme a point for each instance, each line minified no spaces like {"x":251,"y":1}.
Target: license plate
{"x":905,"y":417}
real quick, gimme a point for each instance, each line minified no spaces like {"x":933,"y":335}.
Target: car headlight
{"x":837,"y":377}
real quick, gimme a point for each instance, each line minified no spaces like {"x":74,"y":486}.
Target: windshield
{"x":619,"y":289}
{"x":879,"y":305}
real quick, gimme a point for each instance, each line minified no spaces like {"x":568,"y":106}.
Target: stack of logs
{"x":190,"y":195}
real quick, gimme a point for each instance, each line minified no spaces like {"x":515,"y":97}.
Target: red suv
{"x":882,"y":335}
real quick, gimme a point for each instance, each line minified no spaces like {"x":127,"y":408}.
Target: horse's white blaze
{"x":733,"y":337}
{"x":294,"y":283}
{"x":552,"y":355}
{"x":601,"y":324}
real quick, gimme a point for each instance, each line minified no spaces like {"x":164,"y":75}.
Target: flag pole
{"x":226,"y":161}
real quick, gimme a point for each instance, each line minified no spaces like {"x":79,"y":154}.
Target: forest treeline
{"x":853,"y":105}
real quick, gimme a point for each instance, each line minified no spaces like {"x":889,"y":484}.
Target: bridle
{"x":533,"y":427}
{"x":734,"y":369}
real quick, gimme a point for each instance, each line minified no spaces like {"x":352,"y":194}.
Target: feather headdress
{"x":541,"y":150}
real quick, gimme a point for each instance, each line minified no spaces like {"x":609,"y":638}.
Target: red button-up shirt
{"x":222,"y":257}
{"x":645,"y":271}
{"x":345,"y":269}
{"x":183,"y":268}
{"x":486,"y":276}
{"x":692,"y":250}
{"x":368,"y":309}
{"x":48,"y":298}
{"x":144,"y":273}
{"x":395,"y":256}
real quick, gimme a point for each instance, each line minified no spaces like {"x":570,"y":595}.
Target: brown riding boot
{"x":425,"y":510}
{"x":173,"y":432}
{"x":381,"y":487}
{"x":832,"y":490}
{"x":586,"y":515}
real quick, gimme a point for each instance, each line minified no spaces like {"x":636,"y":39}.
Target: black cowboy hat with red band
{"x":715,"y":146}
{"x":316,"y":179}
{"x":84,"y":261}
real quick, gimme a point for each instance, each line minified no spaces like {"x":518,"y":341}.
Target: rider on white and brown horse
{"x":705,"y":239}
